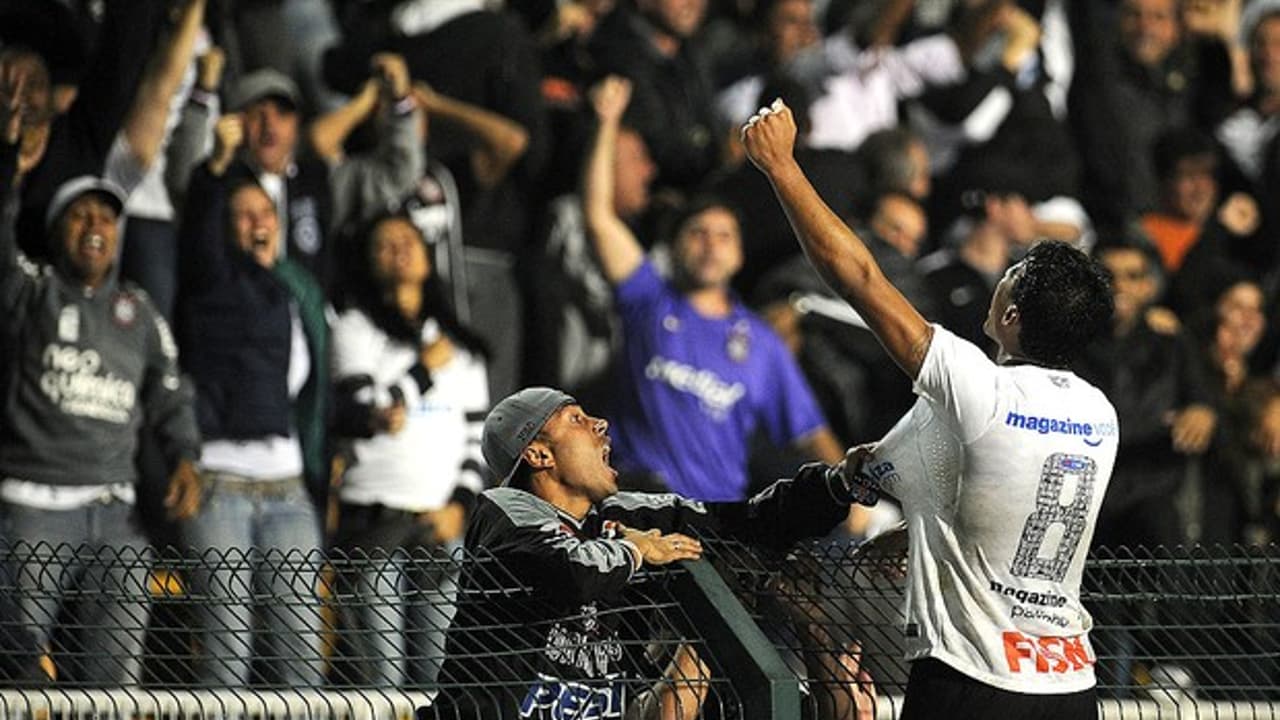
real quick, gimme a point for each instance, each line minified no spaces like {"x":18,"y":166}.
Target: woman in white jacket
{"x":411,"y":395}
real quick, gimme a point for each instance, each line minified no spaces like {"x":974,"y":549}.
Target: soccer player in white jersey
{"x":1001,"y":466}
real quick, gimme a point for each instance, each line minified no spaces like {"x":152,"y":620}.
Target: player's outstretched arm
{"x":835,"y":251}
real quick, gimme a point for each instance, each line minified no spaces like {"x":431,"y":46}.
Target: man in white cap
{"x":87,"y":361}
{"x":559,"y":525}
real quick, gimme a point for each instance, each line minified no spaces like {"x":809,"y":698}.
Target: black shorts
{"x":936,"y":690}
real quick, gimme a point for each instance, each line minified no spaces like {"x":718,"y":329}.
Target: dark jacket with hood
{"x":544,"y":597}
{"x":82,"y":370}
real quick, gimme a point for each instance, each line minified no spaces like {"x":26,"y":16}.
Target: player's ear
{"x":1011,"y":315}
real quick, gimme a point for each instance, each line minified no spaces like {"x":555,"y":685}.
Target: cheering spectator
{"x":57,"y":145}
{"x":307,"y":193}
{"x":575,"y":304}
{"x":255,"y":340}
{"x":87,"y":363}
{"x":674,"y":108}
{"x":1192,"y":213}
{"x":784,"y":28}
{"x":155,"y":151}
{"x":411,"y":393}
{"x":560,"y":526}
{"x":996,"y":228}
{"x":700,"y":373}
{"x":1162,"y":398}
{"x":1147,"y":75}
{"x":483,"y":59}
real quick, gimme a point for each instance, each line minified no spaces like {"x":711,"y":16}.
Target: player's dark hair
{"x":1064,"y":299}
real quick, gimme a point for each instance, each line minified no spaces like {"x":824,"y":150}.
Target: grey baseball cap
{"x":513,"y":423}
{"x":72,"y":189}
{"x":261,"y":84}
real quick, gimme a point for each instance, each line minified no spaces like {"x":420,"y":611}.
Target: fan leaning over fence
{"x":560,"y":526}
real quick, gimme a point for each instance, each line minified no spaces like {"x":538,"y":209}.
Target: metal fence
{"x":811,"y":633}
{"x":1179,"y":632}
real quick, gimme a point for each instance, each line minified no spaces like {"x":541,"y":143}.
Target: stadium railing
{"x":815,"y":632}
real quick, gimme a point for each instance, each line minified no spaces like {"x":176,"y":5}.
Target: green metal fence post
{"x":767,"y":688}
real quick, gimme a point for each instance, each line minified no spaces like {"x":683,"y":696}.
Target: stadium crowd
{"x":368,"y":220}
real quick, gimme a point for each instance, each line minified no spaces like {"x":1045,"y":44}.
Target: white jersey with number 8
{"x":1001,"y":471}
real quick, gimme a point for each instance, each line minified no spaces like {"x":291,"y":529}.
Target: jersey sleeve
{"x":642,"y":287}
{"x":960,"y":382}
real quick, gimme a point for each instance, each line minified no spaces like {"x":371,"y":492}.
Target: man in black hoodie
{"x":560,"y":527}
{"x":87,"y":361}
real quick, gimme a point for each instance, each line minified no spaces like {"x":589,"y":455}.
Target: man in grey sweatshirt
{"x":85,"y":363}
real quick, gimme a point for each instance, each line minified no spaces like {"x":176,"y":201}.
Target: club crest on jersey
{"x":124,"y":310}
{"x":738,"y":346}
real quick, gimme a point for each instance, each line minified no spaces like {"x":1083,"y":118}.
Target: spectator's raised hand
{"x":392,"y":73}
{"x":1192,"y":428}
{"x":1162,"y":320}
{"x":1266,"y":433}
{"x":228,"y":135}
{"x":1022,"y":36}
{"x":610,"y":98}
{"x":1213,"y":18}
{"x":182,"y":501}
{"x":1239,"y":214}
{"x":570,"y":19}
{"x":770,"y":137}
{"x":425,"y":95}
{"x":209,"y":67}
{"x":25,"y":108}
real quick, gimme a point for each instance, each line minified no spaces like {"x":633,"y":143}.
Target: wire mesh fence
{"x":1179,"y":632}
{"x":88,"y":632}
{"x":132,"y":633}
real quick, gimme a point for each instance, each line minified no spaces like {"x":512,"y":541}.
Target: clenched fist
{"x":770,"y":137}
{"x":228,"y":134}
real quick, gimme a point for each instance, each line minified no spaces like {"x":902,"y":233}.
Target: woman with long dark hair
{"x":411,"y":395}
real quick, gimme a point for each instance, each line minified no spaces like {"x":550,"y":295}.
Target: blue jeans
{"x":399,"y":616}
{"x":397,"y":594}
{"x":96,"y":553}
{"x":257,"y":539}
